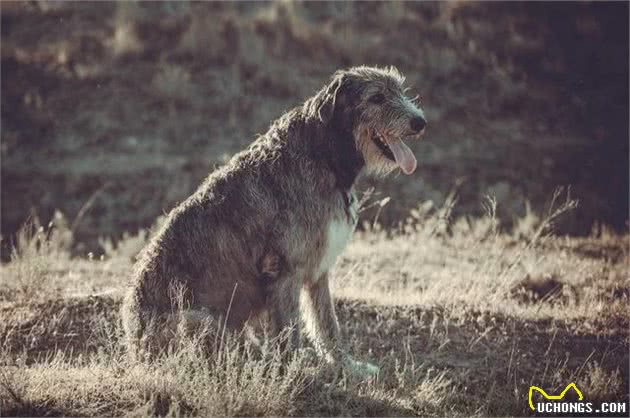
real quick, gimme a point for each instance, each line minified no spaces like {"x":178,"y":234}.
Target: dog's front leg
{"x":283,"y":305}
{"x":320,"y":320}
{"x":323,"y":328}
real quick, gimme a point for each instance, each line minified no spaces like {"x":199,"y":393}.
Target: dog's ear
{"x":326,"y":106}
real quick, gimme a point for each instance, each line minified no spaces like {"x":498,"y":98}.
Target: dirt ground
{"x":469,"y":352}
{"x":112,"y":113}
{"x":460,"y":325}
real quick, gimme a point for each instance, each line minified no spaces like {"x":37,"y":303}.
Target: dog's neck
{"x":342,"y":156}
{"x":331,"y":145}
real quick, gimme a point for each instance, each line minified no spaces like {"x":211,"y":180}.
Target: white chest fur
{"x":338,"y":233}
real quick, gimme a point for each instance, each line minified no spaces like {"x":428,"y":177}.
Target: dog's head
{"x":371,"y":104}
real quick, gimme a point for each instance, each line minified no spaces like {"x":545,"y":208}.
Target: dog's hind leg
{"x":150,"y":332}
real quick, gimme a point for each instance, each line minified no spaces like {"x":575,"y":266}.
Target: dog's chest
{"x":339,"y":231}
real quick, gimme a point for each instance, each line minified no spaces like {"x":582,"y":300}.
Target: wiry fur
{"x":284,"y":195}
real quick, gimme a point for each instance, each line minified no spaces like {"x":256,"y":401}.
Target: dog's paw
{"x":361,"y":369}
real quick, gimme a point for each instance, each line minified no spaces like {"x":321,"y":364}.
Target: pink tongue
{"x":403,"y":155}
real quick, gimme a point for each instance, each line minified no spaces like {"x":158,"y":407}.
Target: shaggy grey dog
{"x":287,"y":205}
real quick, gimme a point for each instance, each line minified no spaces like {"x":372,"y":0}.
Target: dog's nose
{"x":418,"y":123}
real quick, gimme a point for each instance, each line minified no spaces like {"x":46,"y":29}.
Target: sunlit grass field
{"x":461,"y":316}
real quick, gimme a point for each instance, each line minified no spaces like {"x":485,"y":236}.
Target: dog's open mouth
{"x":382,"y":145}
{"x":396,"y":150}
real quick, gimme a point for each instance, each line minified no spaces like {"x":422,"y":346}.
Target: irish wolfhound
{"x":287,"y":205}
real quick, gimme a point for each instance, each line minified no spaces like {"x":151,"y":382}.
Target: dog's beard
{"x":377,"y":164}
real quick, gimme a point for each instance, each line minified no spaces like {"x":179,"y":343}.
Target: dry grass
{"x":462,"y":318}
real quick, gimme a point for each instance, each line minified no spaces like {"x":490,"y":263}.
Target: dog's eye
{"x":378,"y":98}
